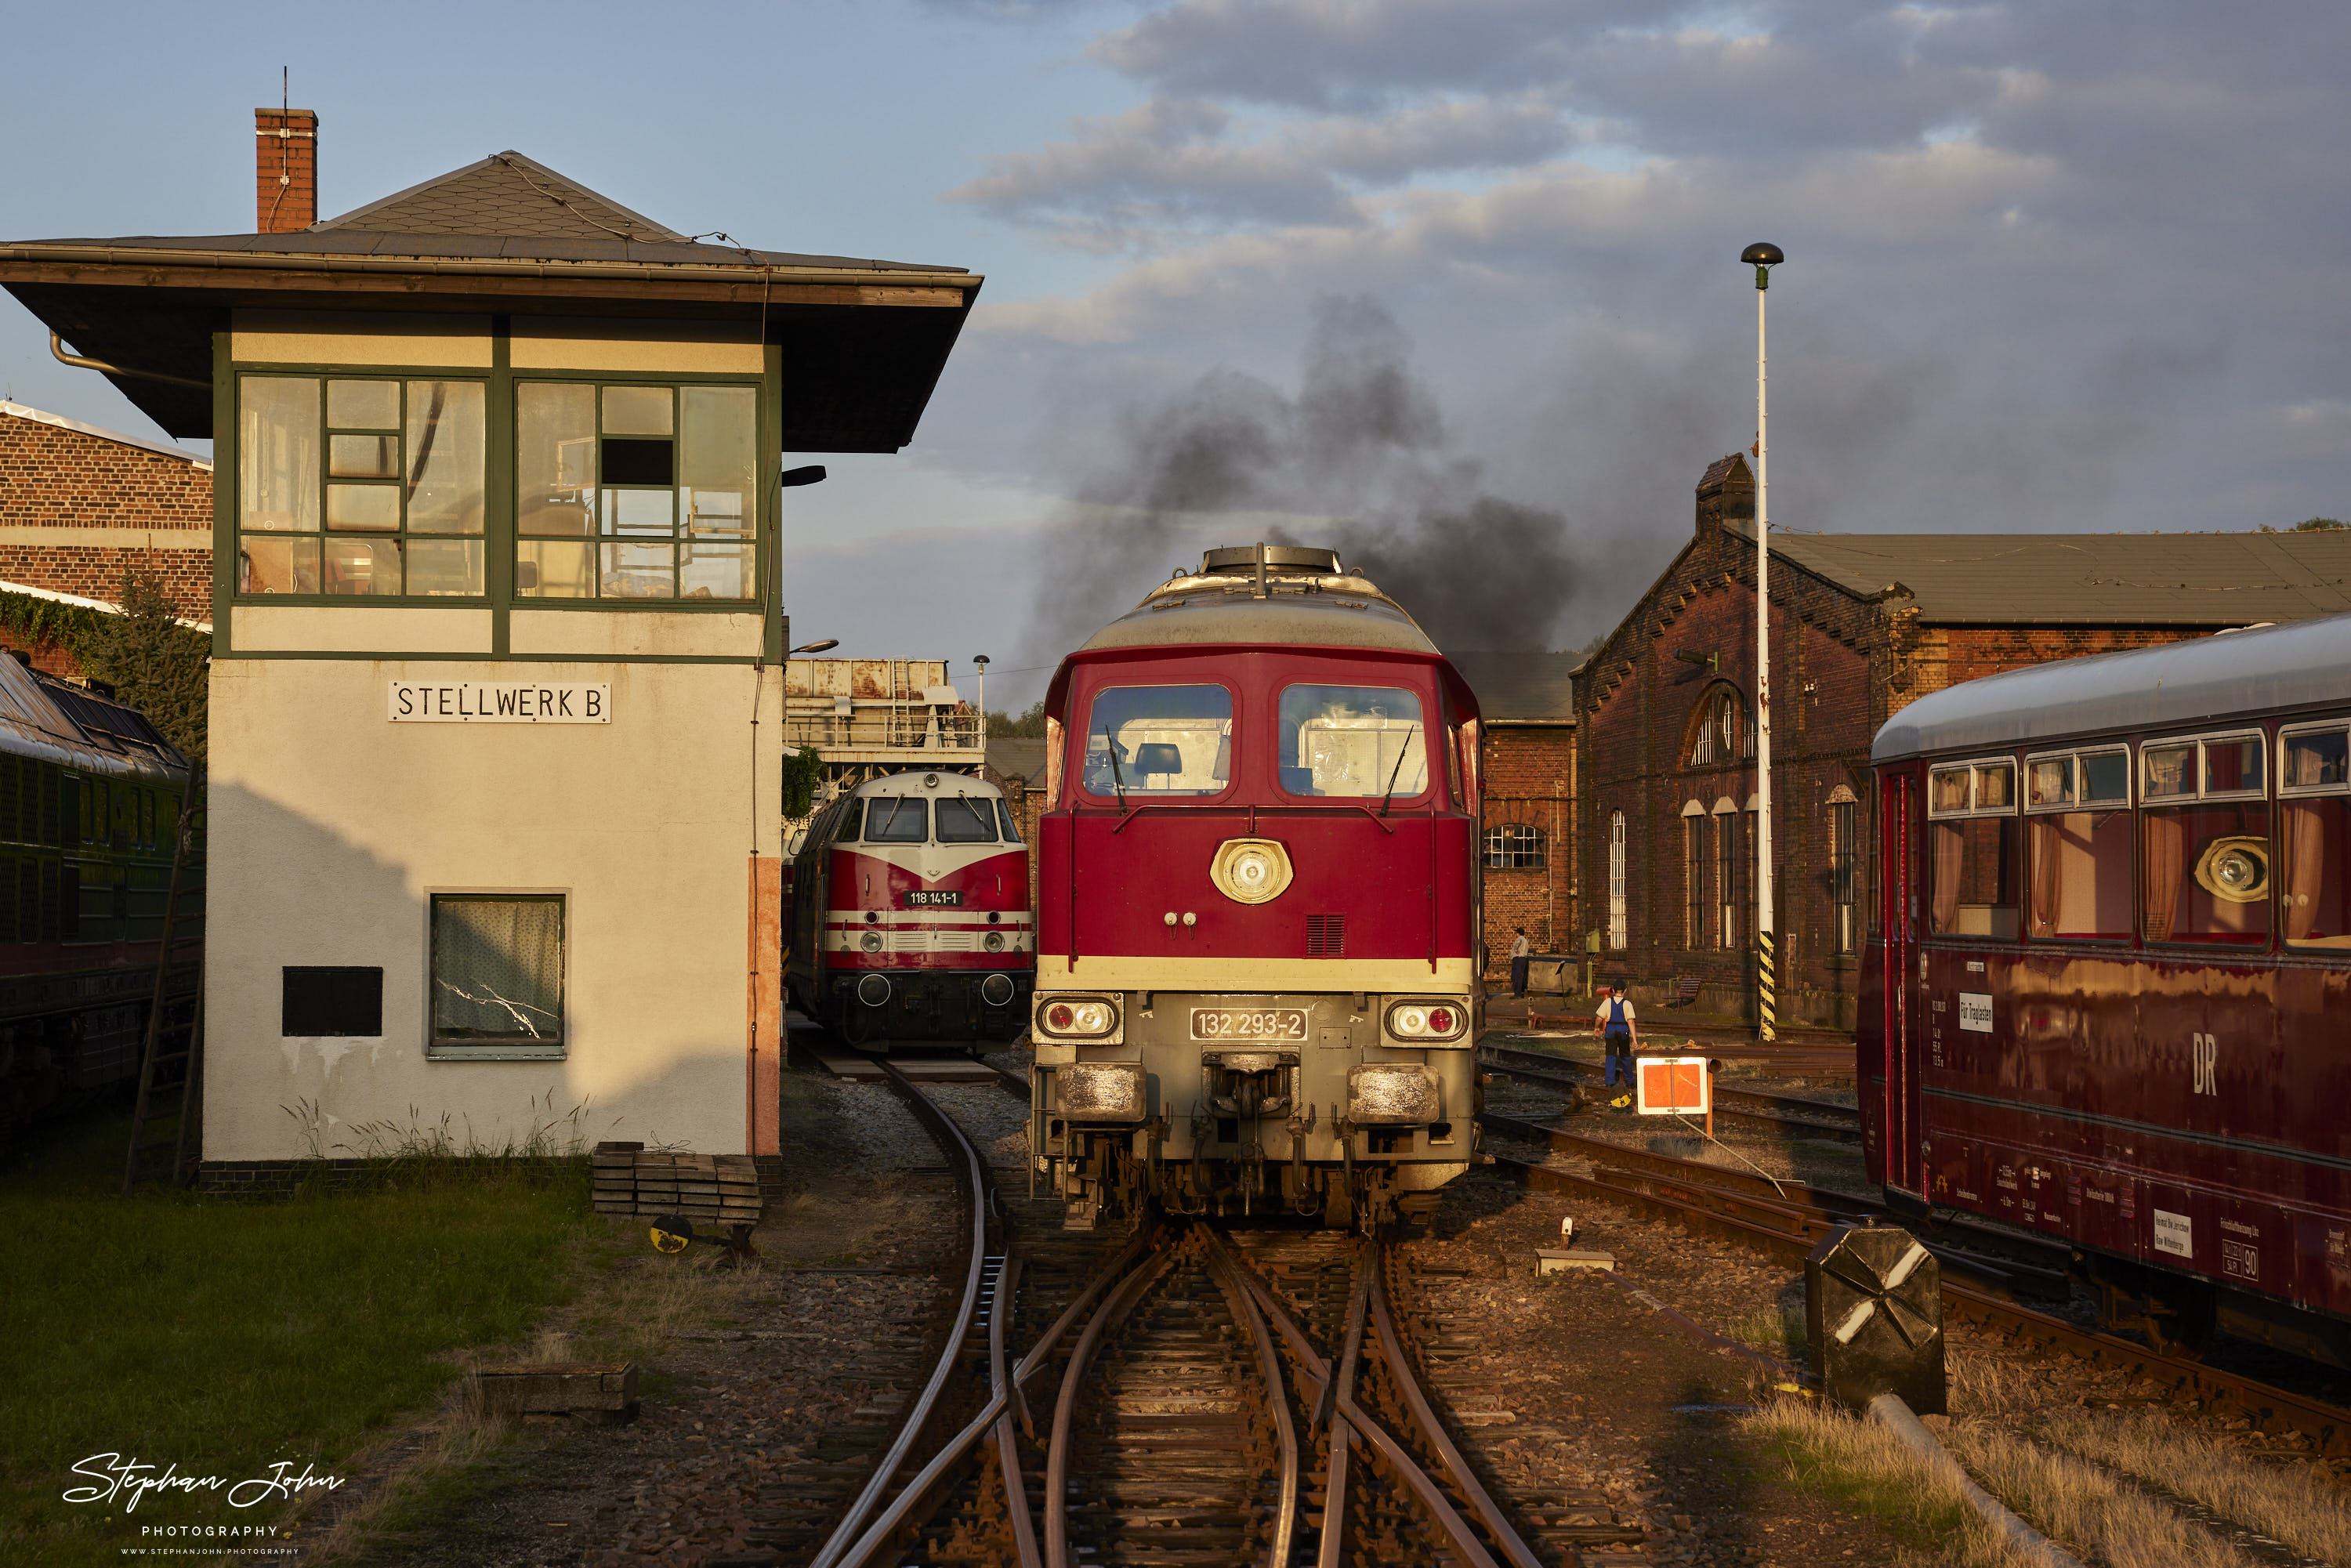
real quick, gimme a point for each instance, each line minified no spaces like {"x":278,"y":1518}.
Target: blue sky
{"x":2069,"y":268}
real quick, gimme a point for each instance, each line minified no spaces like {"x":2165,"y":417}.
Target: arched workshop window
{"x":1719,"y":731}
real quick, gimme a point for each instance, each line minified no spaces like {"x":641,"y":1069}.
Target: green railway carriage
{"x":90,"y":798}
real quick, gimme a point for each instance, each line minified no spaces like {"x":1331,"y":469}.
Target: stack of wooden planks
{"x":722,"y":1189}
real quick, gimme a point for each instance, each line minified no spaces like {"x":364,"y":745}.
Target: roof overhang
{"x":866,"y":344}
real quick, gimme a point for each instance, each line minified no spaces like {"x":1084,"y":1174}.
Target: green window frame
{"x":497,"y":974}
{"x":361,"y":484}
{"x":636,"y":491}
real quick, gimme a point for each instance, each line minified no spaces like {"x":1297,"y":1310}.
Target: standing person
{"x":1619,"y":1032}
{"x":1521,"y":951}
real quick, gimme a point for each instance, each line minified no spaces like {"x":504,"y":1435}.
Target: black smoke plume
{"x":1356,"y":461}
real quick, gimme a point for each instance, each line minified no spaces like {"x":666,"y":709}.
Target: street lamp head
{"x":793,"y":479}
{"x":818,"y":647}
{"x":1762,"y":256}
{"x":981,"y":659}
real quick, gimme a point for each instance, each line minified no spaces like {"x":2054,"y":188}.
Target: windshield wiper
{"x":1394,"y":773}
{"x":1117,"y":778}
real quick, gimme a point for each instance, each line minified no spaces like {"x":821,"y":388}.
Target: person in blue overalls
{"x":1619,"y":1033}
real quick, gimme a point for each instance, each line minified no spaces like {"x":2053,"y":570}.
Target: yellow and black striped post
{"x":1767,"y":989}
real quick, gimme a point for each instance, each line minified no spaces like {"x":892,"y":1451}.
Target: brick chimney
{"x":286,"y":170}
{"x":1725,"y":493}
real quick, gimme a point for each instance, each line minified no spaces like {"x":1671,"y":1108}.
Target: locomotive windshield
{"x":1352,"y":742}
{"x":1159,"y":741}
{"x":1004,"y":817}
{"x":963,"y":820}
{"x":896,"y":820}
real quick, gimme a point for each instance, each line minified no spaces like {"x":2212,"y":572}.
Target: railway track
{"x":1784,"y":1114}
{"x":1190,"y":1395}
{"x":1704,"y":1198}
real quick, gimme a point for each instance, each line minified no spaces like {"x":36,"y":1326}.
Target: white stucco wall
{"x":330,"y":826}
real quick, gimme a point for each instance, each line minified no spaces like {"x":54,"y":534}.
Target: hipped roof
{"x":867,"y":339}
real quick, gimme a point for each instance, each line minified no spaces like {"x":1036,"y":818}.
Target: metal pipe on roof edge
{"x":57,"y":347}
{"x":1887,"y":1410}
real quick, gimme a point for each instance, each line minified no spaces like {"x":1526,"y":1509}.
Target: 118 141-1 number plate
{"x":1250,"y":1023}
{"x":934,"y":898}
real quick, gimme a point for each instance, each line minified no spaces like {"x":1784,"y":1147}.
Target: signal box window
{"x":1971,"y":842}
{"x":1159,"y":741}
{"x":2314,"y":834}
{"x":963,"y":820}
{"x":2079,"y":833}
{"x":1352,"y":742}
{"x":2205,"y":841}
{"x":358,"y":486}
{"x":1514,"y":849}
{"x":498,"y":974}
{"x":897,"y":820}
{"x":634,"y":492}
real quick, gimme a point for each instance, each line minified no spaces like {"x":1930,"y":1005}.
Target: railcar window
{"x":2170,"y":771}
{"x":2319,"y":759}
{"x":2314,"y":836}
{"x":2208,"y":874}
{"x":963,"y":820}
{"x":1972,"y":850}
{"x":1159,"y":741}
{"x":2079,"y":841}
{"x":896,"y":820}
{"x":1009,"y":823}
{"x":1352,"y":742}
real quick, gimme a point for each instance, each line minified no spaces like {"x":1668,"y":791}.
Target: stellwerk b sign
{"x":499,"y":702}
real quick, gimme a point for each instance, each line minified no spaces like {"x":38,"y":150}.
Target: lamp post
{"x":980,"y":698}
{"x":1764,"y":256}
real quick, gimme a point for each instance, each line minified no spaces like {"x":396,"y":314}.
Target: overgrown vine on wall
{"x":803,"y":771}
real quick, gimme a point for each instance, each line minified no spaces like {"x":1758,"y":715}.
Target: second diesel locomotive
{"x":1257,"y":969}
{"x":910,"y":918}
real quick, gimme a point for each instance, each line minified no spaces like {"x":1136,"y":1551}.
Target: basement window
{"x":497,"y":974}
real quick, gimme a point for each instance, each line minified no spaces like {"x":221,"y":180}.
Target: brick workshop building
{"x":1862,"y":624}
{"x":79,"y":503}
{"x":1016,"y":765}
{"x":1528,"y":704}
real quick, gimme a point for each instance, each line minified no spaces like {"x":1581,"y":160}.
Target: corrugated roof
{"x":1521,"y":688}
{"x":2270,"y":669}
{"x":2203,"y":580}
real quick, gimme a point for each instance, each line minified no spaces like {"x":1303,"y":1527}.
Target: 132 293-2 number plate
{"x":1250,"y":1023}
{"x":934,"y":898}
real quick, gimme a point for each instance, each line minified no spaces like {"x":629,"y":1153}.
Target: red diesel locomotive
{"x":1258,"y":903}
{"x":2109,"y":990}
{"x":910,"y":921}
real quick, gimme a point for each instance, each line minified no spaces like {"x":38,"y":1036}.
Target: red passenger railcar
{"x":909,"y":920}
{"x":2109,"y":990}
{"x":1257,"y":902}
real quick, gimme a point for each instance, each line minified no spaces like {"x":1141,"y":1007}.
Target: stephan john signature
{"x":117,"y":1475}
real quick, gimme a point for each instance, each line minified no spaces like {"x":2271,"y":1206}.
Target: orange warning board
{"x":1672,"y":1086}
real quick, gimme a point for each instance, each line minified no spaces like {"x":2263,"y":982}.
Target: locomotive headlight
{"x":1427,"y":1021}
{"x":871,"y":940}
{"x":1083,"y":1017}
{"x":1250,"y":870}
{"x":995,"y":943}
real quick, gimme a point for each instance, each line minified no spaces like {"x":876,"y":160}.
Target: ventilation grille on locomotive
{"x":1326,"y":936}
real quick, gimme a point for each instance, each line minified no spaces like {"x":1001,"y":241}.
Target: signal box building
{"x":497,"y":694}
{"x":1860,"y":625}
